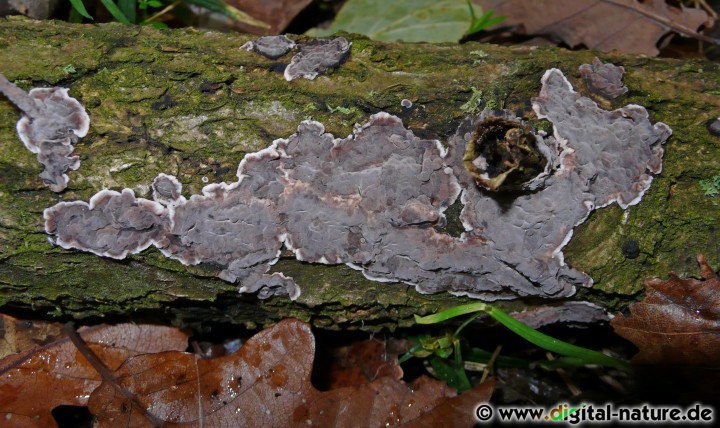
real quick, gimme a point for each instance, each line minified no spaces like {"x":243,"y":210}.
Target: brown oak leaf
{"x":36,"y":381}
{"x":267,"y":383}
{"x":361,"y":363}
{"x":18,"y":336}
{"x":630,"y":26}
{"x":276,"y":13}
{"x":678,"y":321}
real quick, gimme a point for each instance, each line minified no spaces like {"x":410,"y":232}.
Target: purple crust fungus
{"x":564,"y":312}
{"x":604,"y":79}
{"x":272,"y":47}
{"x":317,"y":57}
{"x":376,"y":200}
{"x":52,"y":122}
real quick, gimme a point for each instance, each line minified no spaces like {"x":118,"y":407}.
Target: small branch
{"x":668,"y":23}
{"x":707,"y":7}
{"x":106,"y":374}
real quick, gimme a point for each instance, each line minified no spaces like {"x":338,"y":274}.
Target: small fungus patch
{"x":604,"y":79}
{"x":713,"y":126}
{"x":52,"y":122}
{"x":272,"y":47}
{"x":376,"y":201}
{"x":317,"y":57}
{"x":313,"y":58}
{"x":565,"y":312}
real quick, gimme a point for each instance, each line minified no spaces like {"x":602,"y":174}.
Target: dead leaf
{"x":678,"y":321}
{"x":267,"y":383}
{"x":18,"y":336}
{"x":362,"y":363}
{"x":276,"y":13}
{"x":35,"y":382}
{"x":630,"y":26}
{"x":457,"y":411}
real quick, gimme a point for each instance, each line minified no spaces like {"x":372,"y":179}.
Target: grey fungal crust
{"x":604,"y":79}
{"x":565,"y":312}
{"x":376,"y":200}
{"x":167,"y":190}
{"x":272,"y":47}
{"x":317,"y":57}
{"x":52,"y":122}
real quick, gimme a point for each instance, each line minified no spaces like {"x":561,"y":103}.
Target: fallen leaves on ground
{"x":267,"y":383}
{"x":18,"y":336}
{"x":276,"y":13}
{"x":152,"y":381}
{"x":44,"y":377}
{"x":630,"y":26}
{"x":361,"y":363}
{"x":678,"y":321}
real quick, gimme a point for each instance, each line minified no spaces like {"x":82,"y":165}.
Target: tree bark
{"x":191,"y":103}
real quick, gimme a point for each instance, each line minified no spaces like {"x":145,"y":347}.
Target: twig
{"x":490,"y":364}
{"x":574,"y":390}
{"x":167,"y":9}
{"x":106,"y":374}
{"x":669,"y":23}
{"x":707,"y":7}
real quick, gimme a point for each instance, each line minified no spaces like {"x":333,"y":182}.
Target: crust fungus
{"x":565,"y":312}
{"x":52,"y":122}
{"x":272,"y":47}
{"x":314,"y":57}
{"x":604,"y":79}
{"x":167,"y":190}
{"x":376,"y":200}
{"x":112,"y":225}
{"x":317,"y":57}
{"x":713,"y":126}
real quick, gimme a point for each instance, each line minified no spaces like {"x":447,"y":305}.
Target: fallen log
{"x":190,"y":104}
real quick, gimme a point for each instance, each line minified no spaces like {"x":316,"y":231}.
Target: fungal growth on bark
{"x":167,"y":190}
{"x":564,"y":312}
{"x":52,"y":122}
{"x":604,"y":79}
{"x":317,"y":57}
{"x":506,"y":154}
{"x":272,"y":47}
{"x":376,"y":200}
{"x":112,"y":225}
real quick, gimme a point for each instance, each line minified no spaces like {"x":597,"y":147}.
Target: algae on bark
{"x":191,"y":104}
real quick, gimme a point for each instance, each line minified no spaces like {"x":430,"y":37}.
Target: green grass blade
{"x":452,"y":313}
{"x":128,"y":9}
{"x":482,"y":356}
{"x":115,"y":11}
{"x":452,"y":373}
{"x":554,"y":345}
{"x":526,"y":332}
{"x":79,"y":6}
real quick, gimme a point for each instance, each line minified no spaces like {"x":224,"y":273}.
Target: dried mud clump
{"x":52,"y":122}
{"x":604,"y":79}
{"x":376,"y":200}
